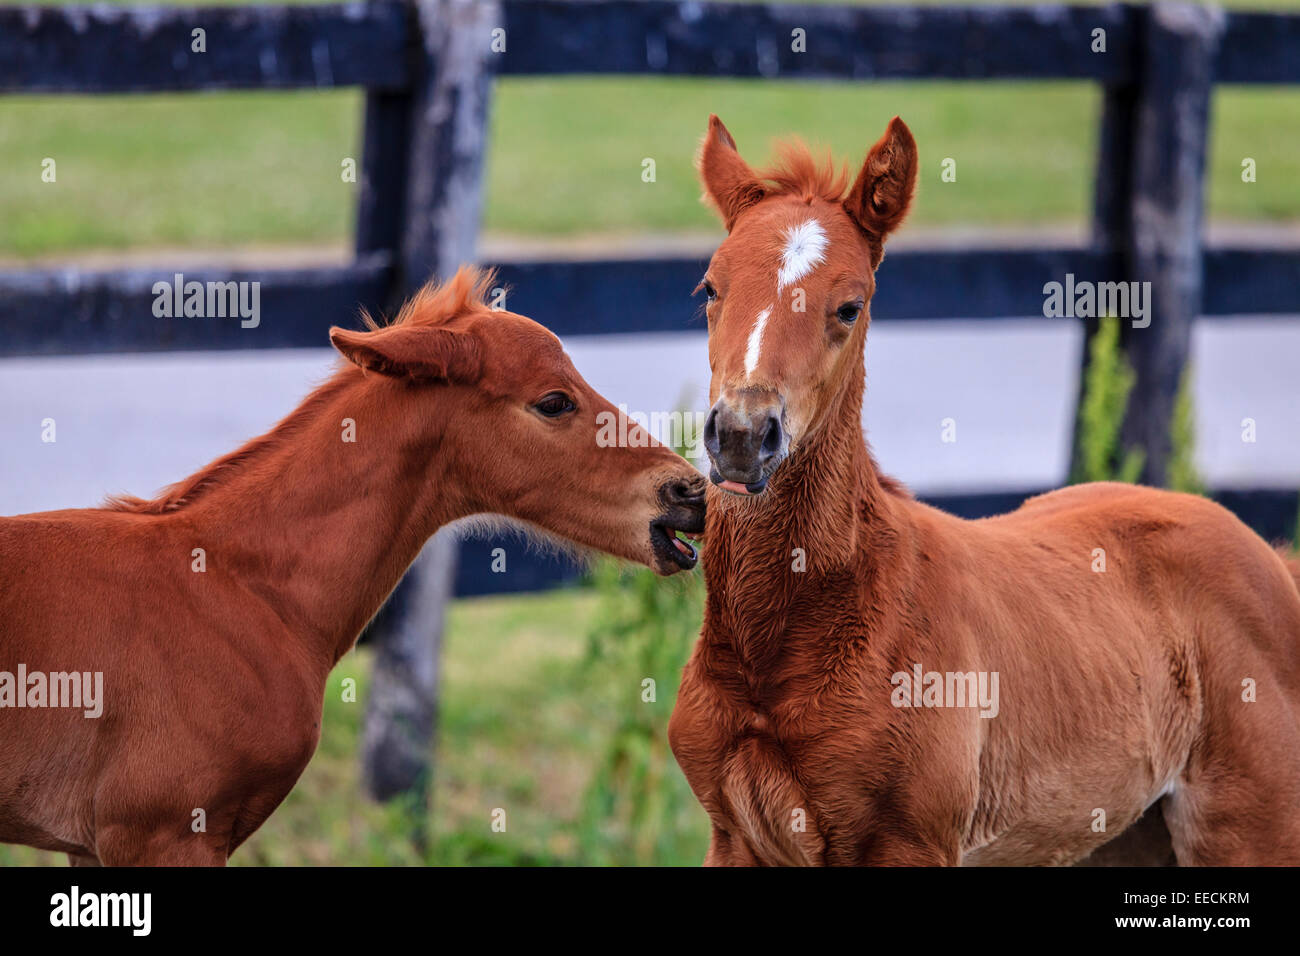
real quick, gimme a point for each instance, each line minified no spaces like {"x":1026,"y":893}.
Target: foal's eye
{"x":555,"y":404}
{"x":709,"y":292}
{"x":848,"y":313}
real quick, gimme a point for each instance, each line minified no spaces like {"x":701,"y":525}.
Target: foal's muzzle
{"x":682,"y":500}
{"x":746,"y":439}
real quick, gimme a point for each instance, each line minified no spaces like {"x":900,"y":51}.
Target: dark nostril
{"x":711,"y":432}
{"x":686,"y":492}
{"x":771,"y":438}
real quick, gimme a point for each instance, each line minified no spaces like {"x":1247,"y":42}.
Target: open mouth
{"x":674,"y":545}
{"x":738,"y":488}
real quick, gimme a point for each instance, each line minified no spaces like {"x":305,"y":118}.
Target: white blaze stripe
{"x":756,"y":341}
{"x":805,"y":248}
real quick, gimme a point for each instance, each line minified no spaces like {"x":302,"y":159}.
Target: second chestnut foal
{"x":214,"y":613}
{"x":880,"y":682}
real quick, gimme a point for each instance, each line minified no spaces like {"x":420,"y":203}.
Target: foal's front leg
{"x":881,"y":849}
{"x":724,"y":851}
{"x":128,"y":846}
{"x":164,"y":834}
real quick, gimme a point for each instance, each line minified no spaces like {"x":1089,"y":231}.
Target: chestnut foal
{"x":878,"y":682}
{"x":214,"y":661}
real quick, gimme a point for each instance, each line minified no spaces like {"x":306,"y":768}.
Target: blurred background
{"x":541,"y":709}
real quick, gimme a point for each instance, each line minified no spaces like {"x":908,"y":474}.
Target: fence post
{"x":401,"y":708}
{"x":1112,"y":200}
{"x":1175,"y":80}
{"x":381,"y":194}
{"x":446,"y":131}
{"x":444,"y":189}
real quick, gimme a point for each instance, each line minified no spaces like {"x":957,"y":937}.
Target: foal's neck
{"x":829,"y":516}
{"x":322,"y":528}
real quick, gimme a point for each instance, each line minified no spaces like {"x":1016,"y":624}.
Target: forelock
{"x":798,"y":173}
{"x":439,"y":302}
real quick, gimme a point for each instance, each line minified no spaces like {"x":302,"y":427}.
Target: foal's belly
{"x":1053,"y":840}
{"x":1056,"y":810}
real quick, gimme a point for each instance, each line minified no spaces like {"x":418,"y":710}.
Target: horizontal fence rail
{"x":754,"y":40}
{"x":106,"y":49}
{"x":103,"y":49}
{"x":1259,"y":48}
{"x":68,"y":312}
{"x":590,"y":297}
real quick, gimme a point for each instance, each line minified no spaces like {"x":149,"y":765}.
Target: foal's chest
{"x":764,"y":789}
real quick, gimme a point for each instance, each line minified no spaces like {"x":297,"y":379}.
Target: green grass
{"x":169,"y":170}
{"x":566,"y":155}
{"x":537,"y":702}
{"x":589,"y":178}
{"x":1260,"y":124}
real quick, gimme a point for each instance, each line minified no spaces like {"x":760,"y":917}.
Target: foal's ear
{"x":412,"y":352}
{"x":883,"y":191}
{"x":729,"y":184}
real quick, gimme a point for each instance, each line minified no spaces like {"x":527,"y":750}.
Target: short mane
{"x":434,"y":304}
{"x":799,"y":173}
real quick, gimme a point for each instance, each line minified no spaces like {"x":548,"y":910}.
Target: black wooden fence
{"x":427,"y":67}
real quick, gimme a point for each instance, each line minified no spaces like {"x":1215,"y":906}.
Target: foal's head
{"x":789,"y":292}
{"x":518,"y":431}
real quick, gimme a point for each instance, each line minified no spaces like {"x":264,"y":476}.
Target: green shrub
{"x":638,"y":808}
{"x":1108,"y":381}
{"x":1182,"y":474}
